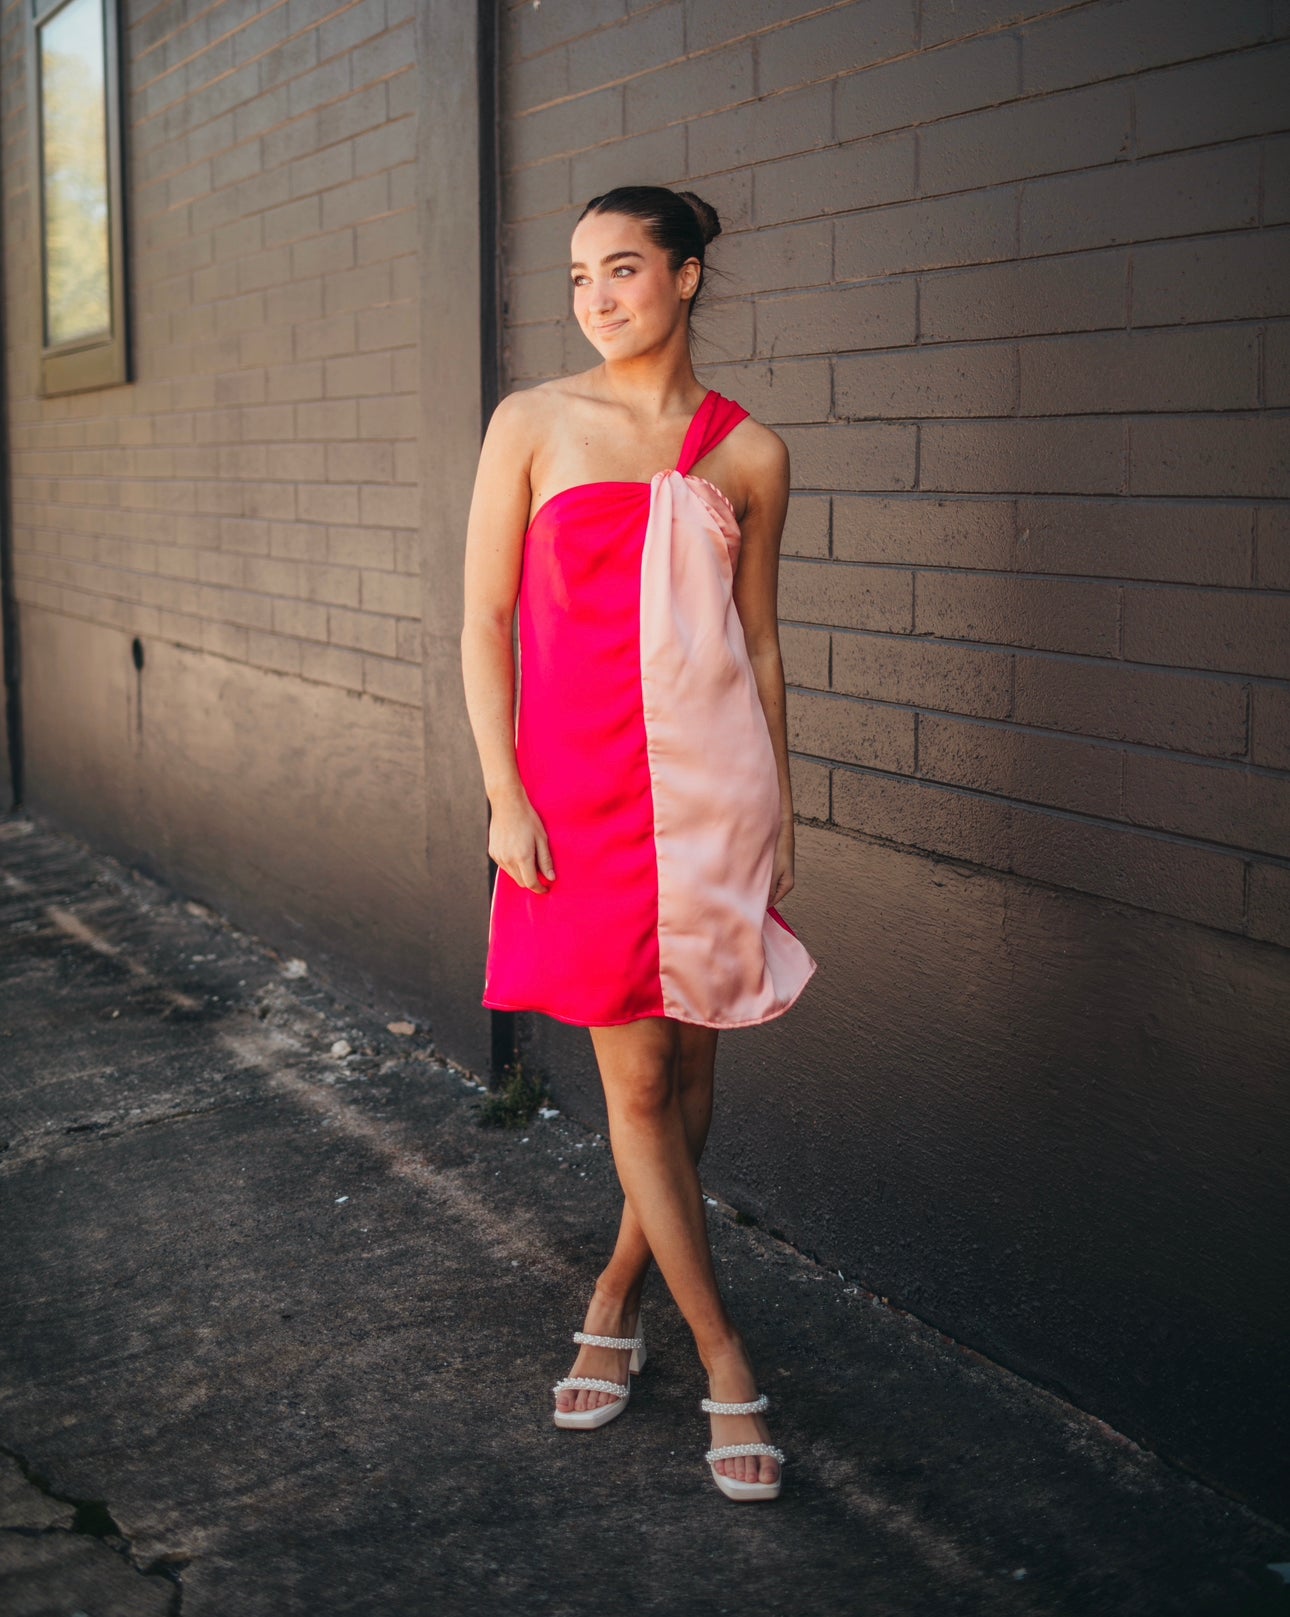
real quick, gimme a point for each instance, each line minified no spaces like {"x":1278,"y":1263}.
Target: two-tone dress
{"x":643,"y":746}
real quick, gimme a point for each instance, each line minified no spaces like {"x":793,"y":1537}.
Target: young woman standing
{"x":642,"y":817}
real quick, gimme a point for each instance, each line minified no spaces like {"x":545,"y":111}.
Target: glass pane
{"x":73,"y":113}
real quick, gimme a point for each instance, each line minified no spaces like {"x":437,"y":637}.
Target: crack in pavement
{"x":92,"y":1519}
{"x":19,"y":1151}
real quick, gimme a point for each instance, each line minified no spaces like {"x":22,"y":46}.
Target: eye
{"x":577,"y":280}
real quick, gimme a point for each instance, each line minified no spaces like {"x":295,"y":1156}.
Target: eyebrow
{"x":609,"y":258}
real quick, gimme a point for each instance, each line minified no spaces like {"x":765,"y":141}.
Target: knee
{"x":647,"y":1093}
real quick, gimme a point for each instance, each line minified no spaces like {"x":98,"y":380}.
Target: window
{"x":74,"y":79}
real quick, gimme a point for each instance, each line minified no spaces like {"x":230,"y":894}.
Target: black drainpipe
{"x":502,"y":1023}
{"x":8,"y":603}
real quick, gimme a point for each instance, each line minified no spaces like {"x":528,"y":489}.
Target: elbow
{"x":763,"y":650}
{"x":488,"y":624}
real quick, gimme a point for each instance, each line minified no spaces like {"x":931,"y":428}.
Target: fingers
{"x":535,"y":865}
{"x":525,"y":873}
{"x":527,"y":869}
{"x":533,"y":869}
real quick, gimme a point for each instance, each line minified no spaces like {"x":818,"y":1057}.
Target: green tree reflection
{"x":74,"y":147}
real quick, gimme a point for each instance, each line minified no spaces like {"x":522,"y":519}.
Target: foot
{"x":731,"y":1381}
{"x":606,"y":1316}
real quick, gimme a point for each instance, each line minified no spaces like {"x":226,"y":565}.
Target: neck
{"x":653,"y":387}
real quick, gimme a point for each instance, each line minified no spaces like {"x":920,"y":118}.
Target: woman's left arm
{"x":756,"y":596}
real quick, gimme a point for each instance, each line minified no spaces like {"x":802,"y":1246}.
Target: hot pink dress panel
{"x":643,"y":746}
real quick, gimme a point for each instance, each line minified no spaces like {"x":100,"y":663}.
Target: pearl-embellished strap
{"x":730,"y":1451}
{"x":609,"y":1341}
{"x":592,"y":1384}
{"x":711,"y":1407}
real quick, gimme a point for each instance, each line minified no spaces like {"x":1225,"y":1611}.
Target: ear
{"x":688,"y":278}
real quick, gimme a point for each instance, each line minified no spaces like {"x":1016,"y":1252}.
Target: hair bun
{"x":709,"y":223}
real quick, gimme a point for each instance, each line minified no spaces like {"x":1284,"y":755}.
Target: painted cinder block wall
{"x":1013,"y":284}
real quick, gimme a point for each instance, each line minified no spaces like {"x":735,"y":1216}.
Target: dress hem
{"x":688,"y":1021}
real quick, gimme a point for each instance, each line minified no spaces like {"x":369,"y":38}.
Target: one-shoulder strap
{"x":714,"y":418}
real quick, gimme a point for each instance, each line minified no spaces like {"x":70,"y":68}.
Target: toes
{"x":582,"y":1398}
{"x":749,"y":1468}
{"x":586,"y":1398}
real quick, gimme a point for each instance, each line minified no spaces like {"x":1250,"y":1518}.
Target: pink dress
{"x":643,"y":746}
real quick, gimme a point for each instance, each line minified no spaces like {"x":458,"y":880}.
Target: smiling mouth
{"x":612,"y":326}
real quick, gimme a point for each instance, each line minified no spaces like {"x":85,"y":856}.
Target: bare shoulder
{"x":515,"y":416}
{"x":526,"y":419}
{"x":763,"y":464}
{"x":763,"y":450}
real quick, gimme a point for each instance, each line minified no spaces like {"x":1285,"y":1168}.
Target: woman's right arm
{"x":495,"y":532}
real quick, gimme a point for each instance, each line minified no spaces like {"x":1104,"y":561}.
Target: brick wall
{"x":253,"y":493}
{"x":1014,"y":292}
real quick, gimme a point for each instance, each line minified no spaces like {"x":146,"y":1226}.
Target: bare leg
{"x":615,"y":1305}
{"x":625,"y":1273}
{"x":660,"y":1180}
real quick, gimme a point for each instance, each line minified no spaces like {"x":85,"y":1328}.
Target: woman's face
{"x":626,"y":298}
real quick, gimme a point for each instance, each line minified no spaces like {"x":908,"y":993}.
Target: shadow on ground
{"x":278,"y":1328}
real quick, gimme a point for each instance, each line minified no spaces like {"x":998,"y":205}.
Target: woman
{"x":642,"y":818}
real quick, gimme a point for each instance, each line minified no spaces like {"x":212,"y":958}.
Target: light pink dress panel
{"x":725,"y":957}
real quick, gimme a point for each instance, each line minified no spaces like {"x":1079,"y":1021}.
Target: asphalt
{"x":278,"y":1327}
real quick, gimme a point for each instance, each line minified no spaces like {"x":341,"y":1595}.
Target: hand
{"x":517,"y":841}
{"x":782,"y":878}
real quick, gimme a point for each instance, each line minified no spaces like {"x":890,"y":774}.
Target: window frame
{"x":101,"y":359}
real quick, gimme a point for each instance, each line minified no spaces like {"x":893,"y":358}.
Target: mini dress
{"x":643,"y":746}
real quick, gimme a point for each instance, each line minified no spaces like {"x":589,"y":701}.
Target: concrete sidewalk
{"x":278,"y":1327}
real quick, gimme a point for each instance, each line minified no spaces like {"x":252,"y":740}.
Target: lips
{"x":613,"y":326}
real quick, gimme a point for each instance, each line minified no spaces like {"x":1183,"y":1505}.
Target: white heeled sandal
{"x":732,"y":1487}
{"x":586,"y":1419}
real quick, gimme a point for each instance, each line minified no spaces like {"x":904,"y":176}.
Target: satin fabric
{"x":643,"y":746}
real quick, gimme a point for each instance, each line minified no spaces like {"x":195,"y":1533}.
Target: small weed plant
{"x":516,"y":1102}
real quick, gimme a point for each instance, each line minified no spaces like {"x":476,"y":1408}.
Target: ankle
{"x":725,"y":1355}
{"x":621,"y":1298}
